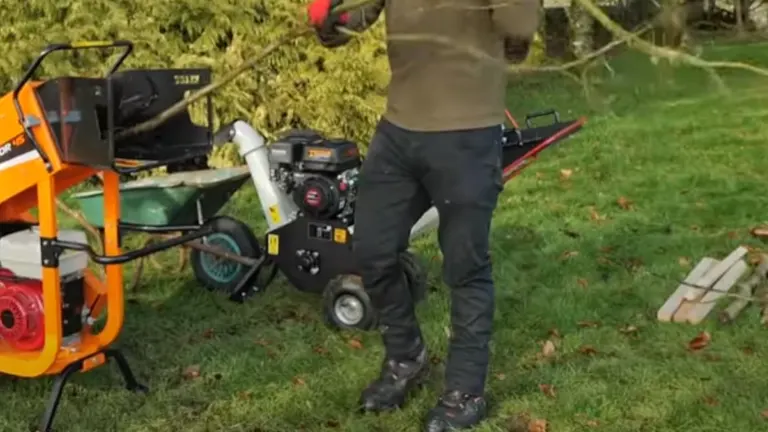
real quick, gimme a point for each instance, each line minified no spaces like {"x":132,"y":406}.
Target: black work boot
{"x":454,"y":411}
{"x":395,"y":383}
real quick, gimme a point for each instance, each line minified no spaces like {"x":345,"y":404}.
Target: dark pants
{"x":404,"y":173}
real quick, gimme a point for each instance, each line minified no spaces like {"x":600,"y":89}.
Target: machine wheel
{"x":347,"y":305}
{"x":220,"y":274}
{"x":417,"y":277}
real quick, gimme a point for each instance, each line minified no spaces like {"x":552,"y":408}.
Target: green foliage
{"x":339,"y":92}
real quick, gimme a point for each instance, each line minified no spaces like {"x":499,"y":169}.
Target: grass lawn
{"x":571,"y":265}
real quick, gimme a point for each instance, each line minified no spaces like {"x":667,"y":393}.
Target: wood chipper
{"x":56,"y":134}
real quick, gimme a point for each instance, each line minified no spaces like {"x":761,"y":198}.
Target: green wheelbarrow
{"x":188,"y":201}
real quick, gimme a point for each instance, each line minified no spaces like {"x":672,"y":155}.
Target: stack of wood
{"x":712,"y":279}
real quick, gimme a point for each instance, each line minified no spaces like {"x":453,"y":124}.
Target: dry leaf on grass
{"x":555,"y":333}
{"x":565,"y":173}
{"x":733,"y":235}
{"x":628,"y":329}
{"x":537,"y":425}
{"x":700,"y":341}
{"x":594,"y":215}
{"x":588,"y":324}
{"x":208,"y":333}
{"x":500,"y":376}
{"x":298,"y":381}
{"x":320,"y":350}
{"x":355,"y":344}
{"x":761,"y":231}
{"x":548,"y":349}
{"x":582,"y":282}
{"x":191,"y":372}
{"x":684,"y":262}
{"x":569,"y":254}
{"x":624,"y":203}
{"x":592,"y":423}
{"x":710,"y":401}
{"x":548,"y":390}
{"x":764,"y":414}
{"x":588,"y":350}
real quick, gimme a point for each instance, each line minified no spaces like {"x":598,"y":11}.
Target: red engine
{"x":21,"y":312}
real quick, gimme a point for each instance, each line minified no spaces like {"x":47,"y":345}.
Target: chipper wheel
{"x":347,"y":305}
{"x":223,"y":275}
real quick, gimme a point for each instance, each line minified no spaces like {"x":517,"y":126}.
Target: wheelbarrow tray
{"x":168,"y":200}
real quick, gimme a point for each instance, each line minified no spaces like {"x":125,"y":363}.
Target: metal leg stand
{"x":58,"y":387}
{"x":61,"y":380}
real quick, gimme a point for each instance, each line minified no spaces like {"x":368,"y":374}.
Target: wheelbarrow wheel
{"x":218,"y":273}
{"x":347,"y":305}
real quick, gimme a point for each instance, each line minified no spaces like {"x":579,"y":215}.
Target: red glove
{"x":319,"y":12}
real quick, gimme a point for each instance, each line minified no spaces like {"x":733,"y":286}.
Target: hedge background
{"x":339,"y":92}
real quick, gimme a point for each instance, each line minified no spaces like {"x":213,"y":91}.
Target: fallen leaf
{"x":245,"y":395}
{"x":588,"y":324}
{"x":548,"y":390}
{"x":569,"y":254}
{"x":684,"y":262}
{"x":191,"y":372}
{"x":594,"y":215}
{"x":761,"y":231}
{"x":700,"y":341}
{"x":208,"y":333}
{"x":695,"y":228}
{"x":565,"y":173}
{"x":754,"y":258}
{"x":587,"y":350}
{"x":298,"y":381}
{"x":582,"y":282}
{"x":592,"y":423}
{"x":500,"y":376}
{"x":320,"y":350}
{"x":748,"y":351}
{"x":764,"y":414}
{"x":355,"y":344}
{"x":555,"y":333}
{"x":734,"y":235}
{"x":518,"y":422}
{"x":537,"y":425}
{"x":624,"y":203}
{"x":711,"y":401}
{"x":628,"y":329}
{"x":548,"y":349}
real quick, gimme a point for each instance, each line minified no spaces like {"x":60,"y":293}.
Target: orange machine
{"x":55,"y":134}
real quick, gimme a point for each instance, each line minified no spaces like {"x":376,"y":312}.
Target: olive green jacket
{"x":447,"y":58}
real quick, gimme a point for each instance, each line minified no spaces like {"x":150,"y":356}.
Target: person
{"x":439,"y":142}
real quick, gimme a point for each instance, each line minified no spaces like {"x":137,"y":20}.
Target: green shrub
{"x":339,"y":92}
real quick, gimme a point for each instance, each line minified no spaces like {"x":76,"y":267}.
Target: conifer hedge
{"x":340,"y":92}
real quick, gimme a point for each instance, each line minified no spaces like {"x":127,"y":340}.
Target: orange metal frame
{"x":29,"y":185}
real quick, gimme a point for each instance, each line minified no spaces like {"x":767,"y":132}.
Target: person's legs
{"x":390,"y":199}
{"x":464,"y":178}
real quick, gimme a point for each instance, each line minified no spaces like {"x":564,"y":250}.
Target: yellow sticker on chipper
{"x":274,"y":214}
{"x":273,"y":244}
{"x":340,"y":235}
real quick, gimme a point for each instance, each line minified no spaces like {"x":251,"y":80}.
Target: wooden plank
{"x":746,"y":289}
{"x":715,"y":273}
{"x":667,"y":311}
{"x":721,"y":288}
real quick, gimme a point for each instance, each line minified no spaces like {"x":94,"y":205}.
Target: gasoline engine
{"x":320,"y":174}
{"x":22,"y":314}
